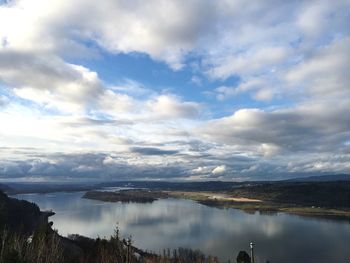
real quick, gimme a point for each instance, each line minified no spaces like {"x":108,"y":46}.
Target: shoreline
{"x":253,"y":205}
{"x":218,"y":200}
{"x":215,"y":199}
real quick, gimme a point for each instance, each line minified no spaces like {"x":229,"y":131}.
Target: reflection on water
{"x":173,"y":223}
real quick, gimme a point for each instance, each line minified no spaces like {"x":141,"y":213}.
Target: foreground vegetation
{"x":46,"y":246}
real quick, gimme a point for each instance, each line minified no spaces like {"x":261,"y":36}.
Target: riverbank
{"x":321,"y":199}
{"x":126,"y":196}
{"x":219,"y":200}
{"x":251,"y":205}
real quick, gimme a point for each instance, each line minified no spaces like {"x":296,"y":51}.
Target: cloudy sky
{"x":159,"y":89}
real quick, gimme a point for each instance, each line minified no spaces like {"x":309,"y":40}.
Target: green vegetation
{"x":19,"y":214}
{"x":319,"y":194}
{"x":40,"y":247}
{"x":25,"y":234}
{"x":137,"y":196}
{"x":46,"y":246}
{"x":322,"y":199}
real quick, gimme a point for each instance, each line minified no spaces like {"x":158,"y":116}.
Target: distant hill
{"x":26,"y":188}
{"x":5,"y":188}
{"x":330,"y":194}
{"x":322,"y":178}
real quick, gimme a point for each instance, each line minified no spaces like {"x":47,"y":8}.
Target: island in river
{"x":325,"y":199}
{"x":127,"y":196}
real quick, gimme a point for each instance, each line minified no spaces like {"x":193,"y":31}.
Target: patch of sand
{"x":236,"y":199}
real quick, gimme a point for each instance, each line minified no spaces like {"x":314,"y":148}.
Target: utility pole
{"x":252,"y":251}
{"x":128,"y":244}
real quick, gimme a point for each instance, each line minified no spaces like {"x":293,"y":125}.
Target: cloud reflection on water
{"x":173,"y":223}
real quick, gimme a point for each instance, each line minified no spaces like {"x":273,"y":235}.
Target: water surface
{"x":172,"y":223}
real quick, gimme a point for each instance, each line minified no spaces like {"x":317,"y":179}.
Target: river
{"x":173,"y":223}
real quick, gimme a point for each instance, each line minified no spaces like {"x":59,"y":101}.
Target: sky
{"x":166,"y":90}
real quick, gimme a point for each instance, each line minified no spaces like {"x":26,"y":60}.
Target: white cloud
{"x":269,"y":149}
{"x":319,"y":18}
{"x":259,"y":88}
{"x":202,"y":170}
{"x":166,"y":30}
{"x":325,"y":71}
{"x":219,"y":170}
{"x":312,"y":127}
{"x":167,"y":106}
{"x":49,"y":81}
{"x":54,"y":84}
{"x":296,"y":51}
{"x":264,"y":94}
{"x":250,"y":62}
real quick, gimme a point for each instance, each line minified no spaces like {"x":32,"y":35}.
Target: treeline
{"x":132,"y":195}
{"x":320,"y":194}
{"x":17,"y":214}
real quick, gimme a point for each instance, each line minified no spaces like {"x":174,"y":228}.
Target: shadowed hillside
{"x":19,"y":214}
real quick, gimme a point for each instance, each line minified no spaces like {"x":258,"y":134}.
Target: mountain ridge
{"x":321,"y":178}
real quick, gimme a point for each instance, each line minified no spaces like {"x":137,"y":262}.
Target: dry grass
{"x":251,"y":205}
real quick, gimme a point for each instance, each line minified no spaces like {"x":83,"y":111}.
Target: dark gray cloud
{"x":152,"y":151}
{"x":117,"y":166}
{"x":87,"y":166}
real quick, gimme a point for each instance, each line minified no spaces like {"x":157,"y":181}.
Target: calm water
{"x":174,"y":223}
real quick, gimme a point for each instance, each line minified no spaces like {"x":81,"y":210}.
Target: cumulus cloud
{"x":170,"y":30}
{"x":54,"y":84}
{"x":166,"y":30}
{"x":83,"y":166}
{"x":49,"y":81}
{"x":170,"y":106}
{"x":252,"y":61}
{"x":308,"y":127}
{"x":219,"y":170}
{"x":260,"y":89}
{"x":324,"y":72}
{"x":199,"y":170}
{"x":290,"y":56}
